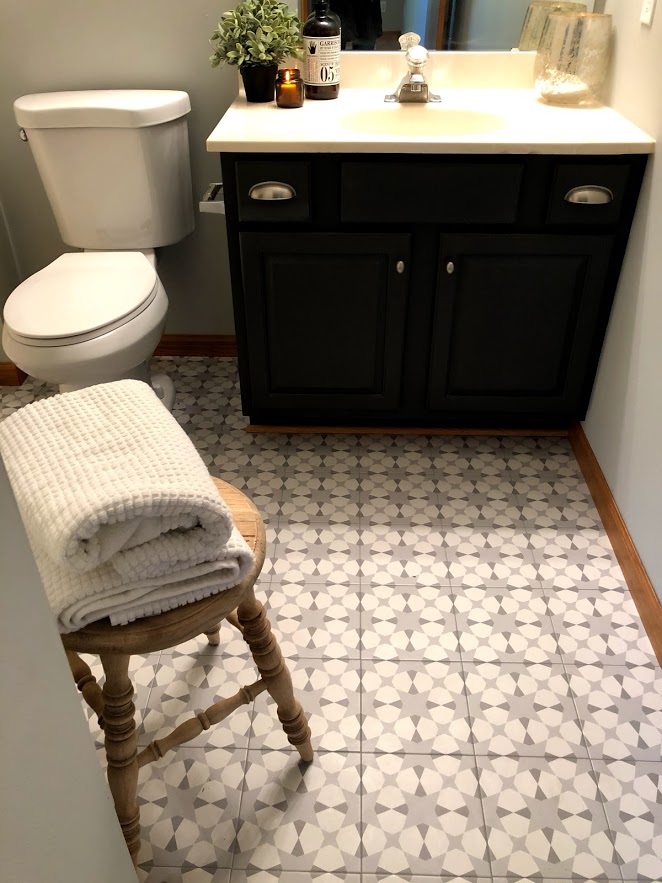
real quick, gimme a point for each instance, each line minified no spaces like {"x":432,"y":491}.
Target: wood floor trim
{"x":10,"y":375}
{"x":404,"y":430}
{"x":214,"y":345}
{"x":641,"y":588}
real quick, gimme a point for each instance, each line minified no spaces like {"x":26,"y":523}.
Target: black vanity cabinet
{"x":424,"y":290}
{"x":326,"y":315}
{"x":514,"y":321}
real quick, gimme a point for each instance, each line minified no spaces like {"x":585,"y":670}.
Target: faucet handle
{"x":417,"y":58}
{"x":408,"y":40}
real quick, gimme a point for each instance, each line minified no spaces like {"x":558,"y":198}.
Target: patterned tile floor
{"x":485,"y":703}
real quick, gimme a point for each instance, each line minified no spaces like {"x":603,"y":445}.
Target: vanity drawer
{"x":588,"y":193}
{"x":273,"y":191}
{"x":431,"y":192}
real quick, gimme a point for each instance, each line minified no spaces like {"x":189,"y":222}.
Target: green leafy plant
{"x":257,"y":32}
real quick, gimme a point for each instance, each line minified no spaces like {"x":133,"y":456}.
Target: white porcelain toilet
{"x":115,"y":166}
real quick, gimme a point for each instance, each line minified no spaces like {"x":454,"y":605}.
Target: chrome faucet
{"x":413,"y":86}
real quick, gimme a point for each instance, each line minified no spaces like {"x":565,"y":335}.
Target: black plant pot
{"x":259,"y":81}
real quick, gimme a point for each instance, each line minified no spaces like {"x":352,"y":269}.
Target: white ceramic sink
{"x":421,"y":120}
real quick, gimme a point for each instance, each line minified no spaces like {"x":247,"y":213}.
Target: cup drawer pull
{"x":591,"y":194}
{"x":272,"y":190}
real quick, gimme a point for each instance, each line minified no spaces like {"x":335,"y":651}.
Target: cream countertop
{"x":504,"y":119}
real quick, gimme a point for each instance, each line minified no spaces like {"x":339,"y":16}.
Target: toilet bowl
{"x":115,"y":167}
{"x":88,"y":318}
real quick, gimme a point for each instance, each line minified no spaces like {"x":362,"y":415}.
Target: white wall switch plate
{"x":647,"y":12}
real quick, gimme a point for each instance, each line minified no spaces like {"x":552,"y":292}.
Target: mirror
{"x":465,"y":25}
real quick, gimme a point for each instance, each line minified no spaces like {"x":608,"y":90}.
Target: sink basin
{"x":420,"y":120}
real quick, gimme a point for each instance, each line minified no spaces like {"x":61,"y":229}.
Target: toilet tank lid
{"x":101,"y":108}
{"x":79,"y":293}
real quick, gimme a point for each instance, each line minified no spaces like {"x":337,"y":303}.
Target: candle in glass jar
{"x":289,"y":88}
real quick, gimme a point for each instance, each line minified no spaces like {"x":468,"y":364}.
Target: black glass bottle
{"x":321,"y":47}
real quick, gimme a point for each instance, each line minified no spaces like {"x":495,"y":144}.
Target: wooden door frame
{"x":441,"y":19}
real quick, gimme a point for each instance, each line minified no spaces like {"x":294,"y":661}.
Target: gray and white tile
{"x":545,"y":819}
{"x":402,"y":500}
{"x":408,"y":623}
{"x":183,"y":875}
{"x":620,"y":709}
{"x":315,"y":619}
{"x":185,"y":685}
{"x":632,"y":795}
{"x":317,"y":551}
{"x":277,"y":875}
{"x":412,"y":556}
{"x":189,"y":805}
{"x":300,"y":817}
{"x":329,"y":691}
{"x":505,"y":624}
{"x":597,"y":627}
{"x":320,"y":498}
{"x":422,"y":815}
{"x":494,"y":556}
{"x":415,"y":708}
{"x":442,"y":566}
{"x":520,"y":710}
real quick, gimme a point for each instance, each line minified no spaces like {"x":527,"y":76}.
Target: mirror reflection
{"x":464,"y":25}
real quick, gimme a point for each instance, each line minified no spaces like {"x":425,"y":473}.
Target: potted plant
{"x":257,"y":36}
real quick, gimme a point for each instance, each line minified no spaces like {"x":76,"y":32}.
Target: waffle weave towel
{"x":122,"y":515}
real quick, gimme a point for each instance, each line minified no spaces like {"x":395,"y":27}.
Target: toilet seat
{"x":80,"y":297}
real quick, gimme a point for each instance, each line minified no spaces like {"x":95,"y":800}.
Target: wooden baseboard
{"x":10,"y":375}
{"x":641,"y":588}
{"x":216,"y":345}
{"x":403,"y":430}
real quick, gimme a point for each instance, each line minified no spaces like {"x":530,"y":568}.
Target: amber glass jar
{"x":289,"y":88}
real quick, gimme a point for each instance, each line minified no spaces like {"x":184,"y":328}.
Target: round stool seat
{"x":173,"y":627}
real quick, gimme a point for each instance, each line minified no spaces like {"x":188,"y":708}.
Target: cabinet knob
{"x":400,"y":267}
{"x":450,"y":268}
{"x":272,"y":190}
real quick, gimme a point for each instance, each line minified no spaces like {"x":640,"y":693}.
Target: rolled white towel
{"x":117,"y":502}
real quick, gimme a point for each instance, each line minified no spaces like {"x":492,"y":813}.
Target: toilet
{"x":115,"y":167}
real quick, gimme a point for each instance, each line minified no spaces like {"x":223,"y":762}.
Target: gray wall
{"x":91,"y":44}
{"x":57,"y":822}
{"x":8,"y":269}
{"x":624,"y":423}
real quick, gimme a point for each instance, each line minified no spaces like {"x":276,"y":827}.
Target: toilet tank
{"x":114,"y":163}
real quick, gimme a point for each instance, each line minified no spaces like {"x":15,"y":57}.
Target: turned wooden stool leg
{"x":214,"y":635}
{"x":87,"y":684}
{"x":269,"y":660}
{"x":121,"y":746}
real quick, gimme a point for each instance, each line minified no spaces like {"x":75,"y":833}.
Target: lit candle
{"x":289,"y":88}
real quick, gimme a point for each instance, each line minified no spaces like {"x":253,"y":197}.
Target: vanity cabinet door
{"x":516,"y":324}
{"x":325,"y":320}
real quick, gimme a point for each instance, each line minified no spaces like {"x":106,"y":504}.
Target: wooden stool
{"x":115,"y":645}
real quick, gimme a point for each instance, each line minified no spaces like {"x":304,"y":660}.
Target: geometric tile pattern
{"x":415,"y":708}
{"x":632,"y":794}
{"x":506,"y":625}
{"x":297,"y":816}
{"x":329,"y":690}
{"x":523,"y":710}
{"x":423,"y":815}
{"x":545,"y":818}
{"x":484,"y":702}
{"x":620,"y":709}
